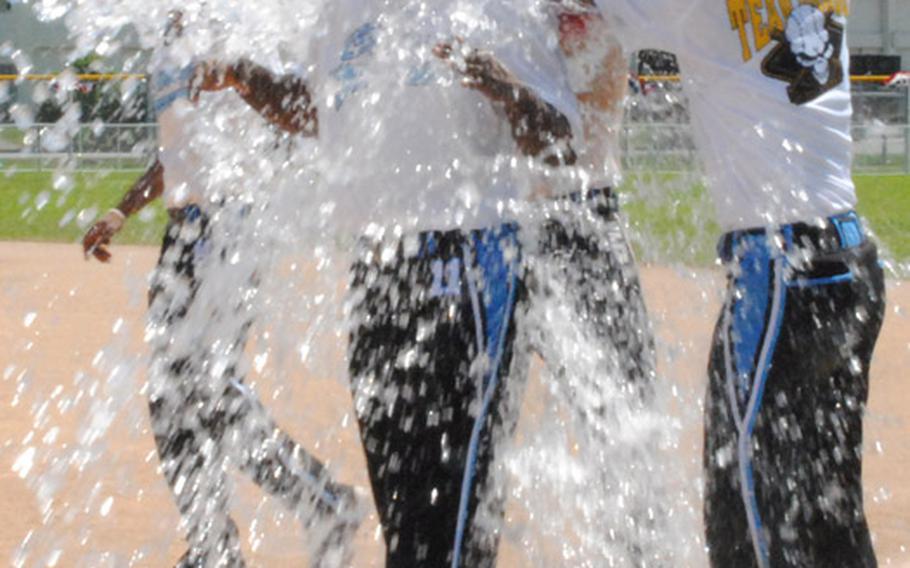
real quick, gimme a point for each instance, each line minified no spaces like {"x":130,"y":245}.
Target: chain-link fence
{"x":881,"y":128}
{"x":656,"y":137}
{"x":93,"y":147}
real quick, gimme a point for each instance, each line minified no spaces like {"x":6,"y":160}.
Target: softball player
{"x":583,"y":232}
{"x":769,"y":94}
{"x":421,"y":161}
{"x":204,"y":418}
{"x":584,"y":260}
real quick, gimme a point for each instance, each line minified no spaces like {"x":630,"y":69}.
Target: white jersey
{"x":401,"y":141}
{"x":170,"y":81}
{"x":598,"y":75}
{"x":769,"y":93}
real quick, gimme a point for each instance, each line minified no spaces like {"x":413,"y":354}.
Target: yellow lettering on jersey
{"x":759,"y":27}
{"x":775,"y":23}
{"x":840,"y":7}
{"x":739,"y":18}
{"x":786,"y":7}
{"x":768,"y":16}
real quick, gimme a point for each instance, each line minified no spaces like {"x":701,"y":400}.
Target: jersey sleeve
{"x":523,"y":39}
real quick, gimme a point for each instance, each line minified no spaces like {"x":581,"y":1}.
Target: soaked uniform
{"x":769,"y":94}
{"x":203,"y":417}
{"x":424,"y":169}
{"x":583,"y":230}
{"x":586,"y":261}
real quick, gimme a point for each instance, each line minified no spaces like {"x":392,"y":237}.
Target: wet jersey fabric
{"x":170,"y":94}
{"x":593,"y":59}
{"x":401,"y":140}
{"x":769,"y":91}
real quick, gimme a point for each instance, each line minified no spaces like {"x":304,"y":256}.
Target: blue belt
{"x":838,"y":232}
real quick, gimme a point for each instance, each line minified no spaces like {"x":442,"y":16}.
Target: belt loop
{"x":428,"y":246}
{"x":849,"y":229}
{"x":725,"y":247}
{"x":788,"y":233}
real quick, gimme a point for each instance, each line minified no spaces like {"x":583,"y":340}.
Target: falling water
{"x":596,"y":474}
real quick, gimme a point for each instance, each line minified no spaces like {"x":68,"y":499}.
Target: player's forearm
{"x":539,"y":128}
{"x":284,"y":101}
{"x":146,"y":189}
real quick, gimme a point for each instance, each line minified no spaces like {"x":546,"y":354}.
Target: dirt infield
{"x":58,"y":312}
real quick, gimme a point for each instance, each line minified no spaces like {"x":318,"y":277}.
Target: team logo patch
{"x":807,"y":55}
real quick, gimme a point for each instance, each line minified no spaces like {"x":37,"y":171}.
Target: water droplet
{"x":66,"y":219}
{"x":22,"y":116}
{"x":86,"y":216}
{"x":260,"y":361}
{"x":106,"y":506}
{"x":24,"y":463}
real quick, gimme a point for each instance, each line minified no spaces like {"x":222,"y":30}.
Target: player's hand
{"x":95,"y":241}
{"x":479,"y":70}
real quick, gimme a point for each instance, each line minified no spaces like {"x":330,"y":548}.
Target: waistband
{"x":604,"y":199}
{"x":193,"y":211}
{"x":434,"y":243}
{"x":605,"y":194}
{"x":438,"y":244}
{"x":190,"y":212}
{"x":836,"y":233}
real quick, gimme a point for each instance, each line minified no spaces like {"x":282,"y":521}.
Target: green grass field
{"x":673,"y":219}
{"x":58,"y":219}
{"x":670,"y":215}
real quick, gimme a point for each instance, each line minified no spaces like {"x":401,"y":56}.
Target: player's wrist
{"x":115,"y":218}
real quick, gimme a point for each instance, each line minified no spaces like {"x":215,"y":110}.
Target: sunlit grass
{"x":23,"y":217}
{"x":670,"y":214}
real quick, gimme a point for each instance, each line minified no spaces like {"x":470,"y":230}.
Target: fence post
{"x":907,"y":148}
{"x":907,"y":132}
{"x":884,"y":163}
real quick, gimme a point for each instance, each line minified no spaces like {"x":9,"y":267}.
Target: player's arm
{"x":608,"y":88}
{"x":145,"y":190}
{"x":538,"y":127}
{"x":284,"y":101}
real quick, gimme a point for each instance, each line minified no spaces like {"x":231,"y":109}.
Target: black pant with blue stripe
{"x":585,"y":263}
{"x":431,"y":361}
{"x":788,"y":384}
{"x":204,"y":418}
{"x":583,"y":239}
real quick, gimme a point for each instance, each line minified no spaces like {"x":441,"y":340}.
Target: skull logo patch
{"x":807,"y":55}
